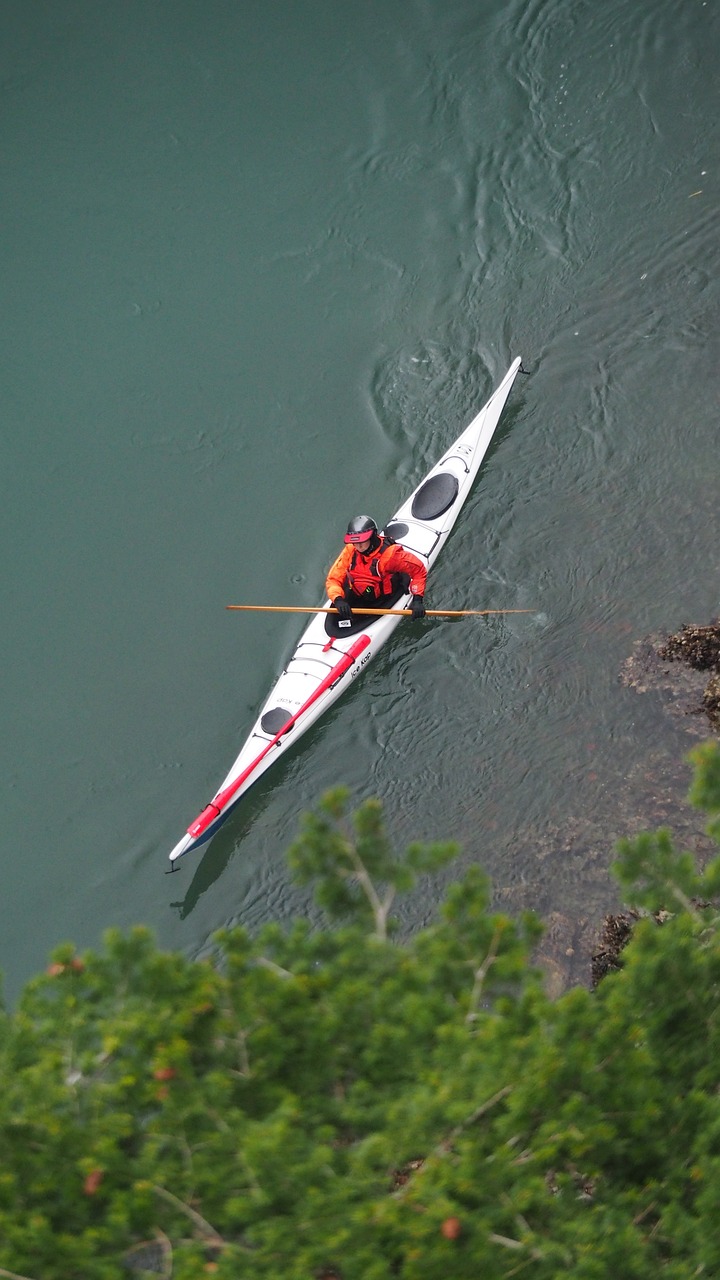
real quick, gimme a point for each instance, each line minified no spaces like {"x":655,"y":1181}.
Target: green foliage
{"x":705,"y":791}
{"x":654,"y":875}
{"x":336,"y":1103}
{"x":351,"y":863}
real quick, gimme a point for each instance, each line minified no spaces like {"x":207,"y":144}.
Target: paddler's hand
{"x":344,"y":611}
{"x":417,"y":604}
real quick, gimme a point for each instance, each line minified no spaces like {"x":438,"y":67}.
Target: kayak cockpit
{"x":363,"y":622}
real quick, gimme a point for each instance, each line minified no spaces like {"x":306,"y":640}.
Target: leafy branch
{"x":351,"y":863}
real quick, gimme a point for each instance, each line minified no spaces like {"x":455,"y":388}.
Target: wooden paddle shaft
{"x":430,"y":613}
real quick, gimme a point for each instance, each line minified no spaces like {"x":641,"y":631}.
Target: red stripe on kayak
{"x":216,"y":806}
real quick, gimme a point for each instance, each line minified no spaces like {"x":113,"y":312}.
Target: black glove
{"x":417,"y":604}
{"x":344,"y":611}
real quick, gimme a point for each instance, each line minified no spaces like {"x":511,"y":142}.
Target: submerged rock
{"x":711,"y":701}
{"x":570,"y":855}
{"x":677,"y":666}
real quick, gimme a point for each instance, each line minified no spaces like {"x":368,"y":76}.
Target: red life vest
{"x":375,"y":574}
{"x":367,"y":575}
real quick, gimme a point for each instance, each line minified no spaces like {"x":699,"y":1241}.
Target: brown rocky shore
{"x":684,"y":669}
{"x":699,"y":648}
{"x":615,"y":935}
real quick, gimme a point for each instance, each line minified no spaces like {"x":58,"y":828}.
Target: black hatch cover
{"x":273,"y":721}
{"x":436,"y":495}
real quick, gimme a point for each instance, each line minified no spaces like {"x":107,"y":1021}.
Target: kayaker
{"x":372,"y":570}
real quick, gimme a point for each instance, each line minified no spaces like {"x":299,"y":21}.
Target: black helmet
{"x":360,"y":529}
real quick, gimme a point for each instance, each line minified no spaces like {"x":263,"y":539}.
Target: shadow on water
{"x":515,"y":407}
{"x":215,"y":856}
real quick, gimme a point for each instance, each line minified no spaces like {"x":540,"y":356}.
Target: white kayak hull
{"x":421,"y":524}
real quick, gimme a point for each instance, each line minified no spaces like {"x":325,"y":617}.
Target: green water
{"x":260,"y":265}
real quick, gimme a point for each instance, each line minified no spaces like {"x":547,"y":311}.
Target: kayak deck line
{"x":302,"y":693}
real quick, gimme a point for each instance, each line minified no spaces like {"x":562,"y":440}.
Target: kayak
{"x":328,"y":659}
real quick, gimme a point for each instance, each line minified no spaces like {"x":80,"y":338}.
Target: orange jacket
{"x":371,"y":574}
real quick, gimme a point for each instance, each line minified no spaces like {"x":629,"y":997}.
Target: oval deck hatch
{"x":396,"y":529}
{"x":273,"y":721}
{"x":435,"y":496}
